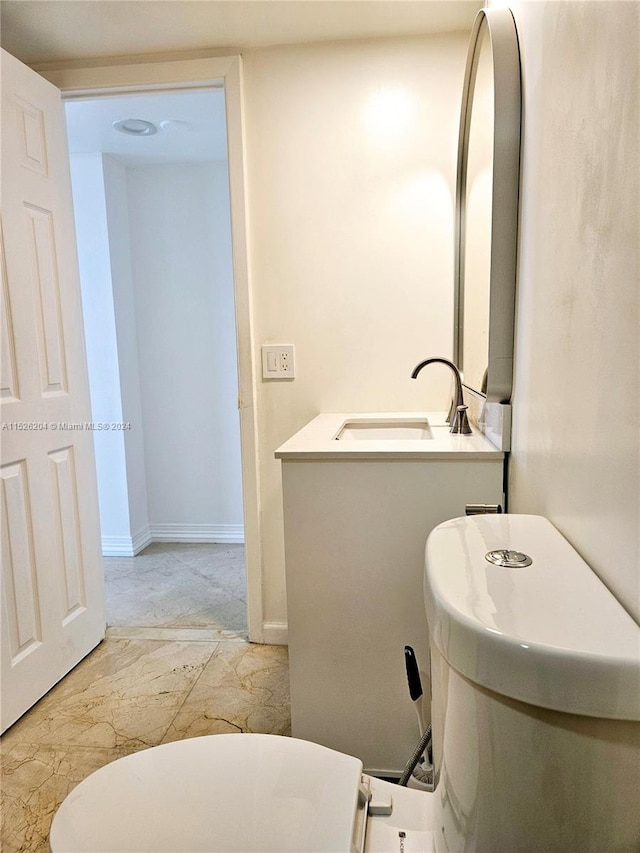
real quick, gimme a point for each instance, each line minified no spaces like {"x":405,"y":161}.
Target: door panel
{"x":42,"y":255}
{"x":52,"y":581}
{"x":23,"y":607}
{"x":8,"y":371}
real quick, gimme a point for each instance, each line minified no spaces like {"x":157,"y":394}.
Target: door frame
{"x":159,"y":75}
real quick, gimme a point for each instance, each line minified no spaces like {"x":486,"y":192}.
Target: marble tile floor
{"x":173,"y":587}
{"x":129,"y":694}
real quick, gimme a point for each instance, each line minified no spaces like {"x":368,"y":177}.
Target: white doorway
{"x":40,"y":149}
{"x":154,"y":244}
{"x":189,"y":74}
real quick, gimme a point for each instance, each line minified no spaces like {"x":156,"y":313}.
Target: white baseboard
{"x":141,"y":539}
{"x":129,"y":546}
{"x":117,"y":546}
{"x":275,"y":634}
{"x":197,"y":533}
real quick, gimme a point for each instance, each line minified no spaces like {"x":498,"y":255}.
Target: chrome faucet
{"x":458,"y":412}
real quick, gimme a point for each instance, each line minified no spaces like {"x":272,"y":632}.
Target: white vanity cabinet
{"x":356,"y":517}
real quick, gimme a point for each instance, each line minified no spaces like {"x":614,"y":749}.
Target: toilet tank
{"x":535,"y":671}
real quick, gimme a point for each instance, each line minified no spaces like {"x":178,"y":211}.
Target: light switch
{"x":277,"y":361}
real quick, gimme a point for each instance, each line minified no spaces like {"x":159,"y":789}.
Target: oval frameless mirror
{"x":487,"y":207}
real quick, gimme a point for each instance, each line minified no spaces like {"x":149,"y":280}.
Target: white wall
{"x":576,"y":438}
{"x":123,"y":302}
{"x":351,"y":152}
{"x":155,"y":260}
{"x":90,"y":207}
{"x":183,"y":289}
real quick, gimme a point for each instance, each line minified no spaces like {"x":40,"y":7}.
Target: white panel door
{"x":52,"y":578}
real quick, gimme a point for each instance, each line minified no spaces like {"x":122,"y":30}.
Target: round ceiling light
{"x":135,"y":127}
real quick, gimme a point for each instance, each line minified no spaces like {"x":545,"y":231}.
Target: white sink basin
{"x":385,"y":430}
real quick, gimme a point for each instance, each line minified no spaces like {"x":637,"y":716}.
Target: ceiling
{"x":194,"y":128}
{"x":40,"y":31}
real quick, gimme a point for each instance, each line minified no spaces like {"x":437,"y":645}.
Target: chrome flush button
{"x":508,"y":559}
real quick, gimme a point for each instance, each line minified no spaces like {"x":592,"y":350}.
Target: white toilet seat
{"x":219,"y":794}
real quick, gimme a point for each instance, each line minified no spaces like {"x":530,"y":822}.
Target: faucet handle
{"x":460,"y":423}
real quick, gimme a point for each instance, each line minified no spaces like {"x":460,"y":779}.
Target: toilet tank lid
{"x":550,"y":633}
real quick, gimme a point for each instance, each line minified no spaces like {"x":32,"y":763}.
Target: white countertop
{"x":317,"y":440}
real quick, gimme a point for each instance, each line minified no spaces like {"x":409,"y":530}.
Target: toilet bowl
{"x":536,"y":733}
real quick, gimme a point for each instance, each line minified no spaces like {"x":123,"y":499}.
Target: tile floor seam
{"x":121,"y":632}
{"x":199,"y":676}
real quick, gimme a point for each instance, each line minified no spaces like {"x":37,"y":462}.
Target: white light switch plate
{"x":278,"y":361}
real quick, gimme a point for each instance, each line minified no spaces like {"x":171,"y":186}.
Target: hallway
{"x":172,"y":586}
